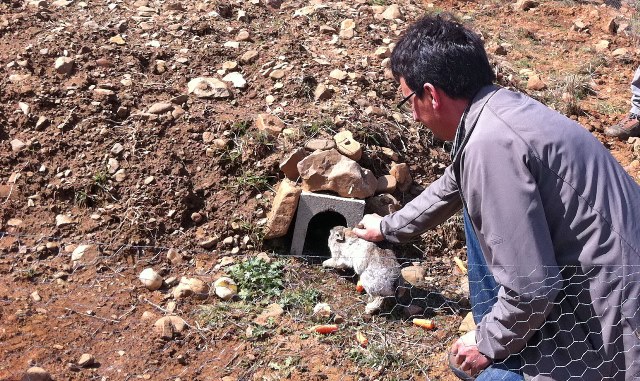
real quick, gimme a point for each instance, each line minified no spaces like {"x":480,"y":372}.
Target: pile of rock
{"x":331,"y":165}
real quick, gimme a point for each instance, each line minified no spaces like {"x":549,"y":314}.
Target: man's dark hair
{"x":440,"y":51}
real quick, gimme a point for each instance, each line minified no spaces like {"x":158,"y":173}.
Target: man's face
{"x":423,"y":111}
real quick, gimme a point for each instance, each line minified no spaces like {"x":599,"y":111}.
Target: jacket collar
{"x":470,"y":118}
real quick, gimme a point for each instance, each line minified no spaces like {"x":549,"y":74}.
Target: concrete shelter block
{"x":345,"y":210}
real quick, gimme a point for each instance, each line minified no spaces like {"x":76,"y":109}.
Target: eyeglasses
{"x":403,"y":103}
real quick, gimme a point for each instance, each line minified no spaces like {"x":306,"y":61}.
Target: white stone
{"x":236,"y":79}
{"x":225,"y":288}
{"x":79,"y":252}
{"x":151,"y":279}
{"x":17,"y":145}
{"x":63,"y":220}
{"x":64,"y":65}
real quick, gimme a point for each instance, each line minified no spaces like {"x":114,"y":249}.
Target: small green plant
{"x":379,"y":356}
{"x":317,"y":126}
{"x":255,"y":232}
{"x":524,"y":63}
{"x":28,"y":274}
{"x":257,"y":279}
{"x":100,"y":178}
{"x":574,"y":88}
{"x":607,"y":108}
{"x":378,"y":2}
{"x":286,"y":367}
{"x":240,"y":127}
{"x":81,"y":198}
{"x":217,"y":315}
{"x":304,"y":299}
{"x":249,"y":179}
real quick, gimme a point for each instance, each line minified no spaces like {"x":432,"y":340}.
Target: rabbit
{"x":378,"y":268}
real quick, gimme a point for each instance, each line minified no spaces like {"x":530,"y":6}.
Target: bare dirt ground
{"x":87,"y":160}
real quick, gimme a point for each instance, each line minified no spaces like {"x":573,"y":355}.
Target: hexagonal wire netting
{"x":561,"y":323}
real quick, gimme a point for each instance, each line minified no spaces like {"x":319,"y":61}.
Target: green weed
{"x":100,"y":178}
{"x":249,"y":179}
{"x":304,"y":299}
{"x":257,"y":279}
{"x":255,"y":232}
{"x":318,"y":126}
{"x":607,"y":108}
{"x":28,"y":274}
{"x":219,"y":314}
{"x":378,"y":356}
{"x":286,"y":367}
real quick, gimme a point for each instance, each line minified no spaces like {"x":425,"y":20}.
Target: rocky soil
{"x":149,"y":133}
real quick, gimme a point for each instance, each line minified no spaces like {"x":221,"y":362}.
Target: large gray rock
{"x":331,"y":171}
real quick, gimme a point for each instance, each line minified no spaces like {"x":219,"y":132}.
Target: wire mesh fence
{"x":564,"y":322}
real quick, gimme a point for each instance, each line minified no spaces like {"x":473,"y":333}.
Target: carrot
{"x":362,"y":339}
{"x":325,"y":329}
{"x":460,"y":264}
{"x":425,"y":323}
{"x":359,"y":287}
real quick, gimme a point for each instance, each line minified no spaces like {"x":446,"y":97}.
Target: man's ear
{"x":434,"y":93}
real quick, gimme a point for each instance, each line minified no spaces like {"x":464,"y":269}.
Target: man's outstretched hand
{"x":369,"y":228}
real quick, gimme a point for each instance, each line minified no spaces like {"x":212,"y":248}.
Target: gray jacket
{"x":557,"y":218}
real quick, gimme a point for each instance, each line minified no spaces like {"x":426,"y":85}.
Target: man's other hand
{"x":369,"y":228}
{"x":466,"y":355}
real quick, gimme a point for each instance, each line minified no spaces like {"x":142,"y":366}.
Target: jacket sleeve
{"x":433,"y":206}
{"x":506,"y":209}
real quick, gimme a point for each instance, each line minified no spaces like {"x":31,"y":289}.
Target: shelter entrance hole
{"x":315,"y":242}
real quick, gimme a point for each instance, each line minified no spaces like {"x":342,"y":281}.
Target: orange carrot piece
{"x":425,"y":323}
{"x":362,"y":339}
{"x":359,"y":287}
{"x":325,"y":329}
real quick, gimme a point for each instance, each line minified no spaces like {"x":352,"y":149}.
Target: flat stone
{"x":338,"y":74}
{"x":270,"y":124}
{"x":414,"y":275}
{"x":168,"y":326}
{"x":392,"y":12}
{"x":536,"y":83}
{"x":17,"y":145}
{"x":64,"y":220}
{"x":332,"y":171}
{"x":36,"y":374}
{"x":272,"y":311}
{"x":320,"y":144}
{"x":160,"y":108}
{"x":236,"y":79}
{"x":249,"y":57}
{"x":347,"y":145}
{"x":86,"y":360}
{"x":207,"y":87}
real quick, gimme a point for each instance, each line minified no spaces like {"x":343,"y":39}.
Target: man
{"x":630,"y":125}
{"x":554,"y":215}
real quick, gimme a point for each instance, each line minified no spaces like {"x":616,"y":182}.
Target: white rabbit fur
{"x":377,"y":267}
